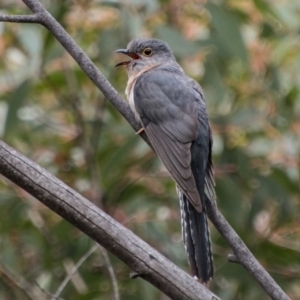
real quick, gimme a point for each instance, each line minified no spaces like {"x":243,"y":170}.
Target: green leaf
{"x":226,"y":33}
{"x":15,"y":102}
{"x":179,"y":45}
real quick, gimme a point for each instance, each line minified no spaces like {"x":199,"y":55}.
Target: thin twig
{"x":49,"y":295}
{"x":73,"y":271}
{"x":21,"y":18}
{"x":111,"y":272}
{"x":14,"y":282}
{"x":232,"y":258}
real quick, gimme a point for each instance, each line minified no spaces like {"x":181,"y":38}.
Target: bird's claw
{"x":140,"y":131}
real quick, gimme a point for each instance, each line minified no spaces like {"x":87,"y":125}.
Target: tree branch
{"x":21,"y":18}
{"x":141,"y":267}
{"x":244,"y":256}
{"x":85,"y":63}
{"x":83,"y":214}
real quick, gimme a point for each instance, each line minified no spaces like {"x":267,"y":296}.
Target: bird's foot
{"x":140,"y":131}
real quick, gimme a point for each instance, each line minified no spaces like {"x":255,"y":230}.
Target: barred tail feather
{"x":196,"y":239}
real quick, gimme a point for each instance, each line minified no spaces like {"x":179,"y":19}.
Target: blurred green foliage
{"x":246,"y":56}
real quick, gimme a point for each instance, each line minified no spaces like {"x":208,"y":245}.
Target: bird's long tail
{"x":196,"y":239}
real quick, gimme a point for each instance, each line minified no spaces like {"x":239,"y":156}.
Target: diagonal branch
{"x":241,"y":251}
{"x":148,"y":263}
{"x":244,"y":256}
{"x":85,"y":63}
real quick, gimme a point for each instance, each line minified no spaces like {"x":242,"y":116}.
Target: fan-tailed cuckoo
{"x":172,"y":110}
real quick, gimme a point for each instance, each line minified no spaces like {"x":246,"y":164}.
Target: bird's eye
{"x":147,"y":52}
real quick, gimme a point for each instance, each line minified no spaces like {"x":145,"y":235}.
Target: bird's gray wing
{"x":205,"y":133}
{"x":168,"y":111}
{"x":209,"y":176}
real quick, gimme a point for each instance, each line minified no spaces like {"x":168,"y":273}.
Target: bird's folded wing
{"x":209,"y":176}
{"x":168,"y":112}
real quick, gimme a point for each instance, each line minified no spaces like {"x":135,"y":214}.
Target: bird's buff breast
{"x":130,"y":89}
{"x":130,"y":96}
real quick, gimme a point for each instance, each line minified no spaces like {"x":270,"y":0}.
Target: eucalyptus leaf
{"x":226,"y":33}
{"x":15,"y":102}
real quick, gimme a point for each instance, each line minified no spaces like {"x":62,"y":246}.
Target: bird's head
{"x":144,"y":54}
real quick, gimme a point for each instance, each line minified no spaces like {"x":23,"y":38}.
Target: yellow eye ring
{"x":147,"y":52}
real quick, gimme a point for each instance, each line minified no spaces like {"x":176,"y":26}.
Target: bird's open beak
{"x":126,"y":52}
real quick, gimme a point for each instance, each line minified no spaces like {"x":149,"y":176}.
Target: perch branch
{"x":21,"y":18}
{"x":244,"y":256}
{"x":117,"y":239}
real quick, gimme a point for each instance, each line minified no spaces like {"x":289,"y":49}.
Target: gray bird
{"x":172,"y":110}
